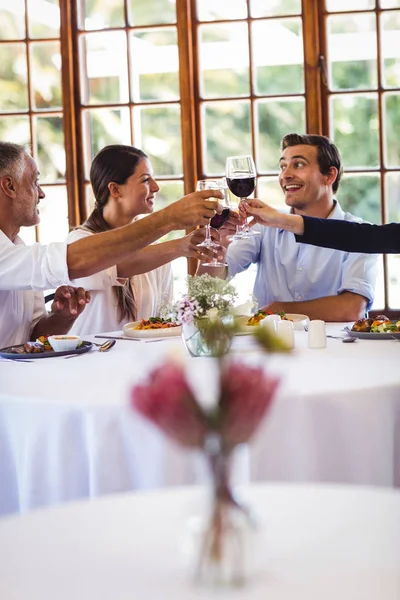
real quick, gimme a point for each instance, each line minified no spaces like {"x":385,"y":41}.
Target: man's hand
{"x":228,"y":229}
{"x":193,"y":209}
{"x":69,"y":302}
{"x":189,"y":245}
{"x":266,"y":215}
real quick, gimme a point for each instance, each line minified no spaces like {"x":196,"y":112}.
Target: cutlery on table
{"x":101,"y":347}
{"x":110,"y":337}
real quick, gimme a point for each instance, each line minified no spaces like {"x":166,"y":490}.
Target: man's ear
{"x":332,"y":175}
{"x":7,"y":185}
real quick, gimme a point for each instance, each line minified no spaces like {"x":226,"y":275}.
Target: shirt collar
{"x":336,"y":213}
{"x":5,"y":239}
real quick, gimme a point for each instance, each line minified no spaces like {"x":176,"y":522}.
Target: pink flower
{"x":167,"y":401}
{"x":246,"y":395}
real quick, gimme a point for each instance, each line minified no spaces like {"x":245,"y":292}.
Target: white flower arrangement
{"x":207,"y":296}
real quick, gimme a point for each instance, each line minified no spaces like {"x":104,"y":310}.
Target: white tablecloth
{"x":66,"y":431}
{"x":312,"y":543}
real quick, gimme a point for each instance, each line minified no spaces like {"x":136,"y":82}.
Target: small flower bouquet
{"x":245,"y":395}
{"x":206,"y":315}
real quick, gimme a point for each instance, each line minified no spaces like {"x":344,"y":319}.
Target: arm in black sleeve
{"x":350,"y":236}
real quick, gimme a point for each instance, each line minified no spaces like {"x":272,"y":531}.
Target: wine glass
{"x":217,"y":221}
{"x":241,"y":180}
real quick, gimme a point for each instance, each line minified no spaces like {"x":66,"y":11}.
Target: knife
{"x":110,"y":337}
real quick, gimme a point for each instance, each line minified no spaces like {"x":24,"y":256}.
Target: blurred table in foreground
{"x":314,"y":542}
{"x":66,"y":431}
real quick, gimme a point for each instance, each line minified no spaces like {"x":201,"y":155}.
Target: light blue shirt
{"x":288,"y":271}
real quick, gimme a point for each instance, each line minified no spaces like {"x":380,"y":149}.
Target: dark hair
{"x":327,"y":153}
{"x":113,"y":163}
{"x":11,"y":157}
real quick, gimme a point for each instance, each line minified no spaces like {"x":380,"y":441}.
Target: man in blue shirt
{"x":296,"y":278}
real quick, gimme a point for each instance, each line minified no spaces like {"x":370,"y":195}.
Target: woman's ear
{"x":113,"y":188}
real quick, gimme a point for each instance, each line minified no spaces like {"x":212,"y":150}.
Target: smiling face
{"x":28,"y":194}
{"x":305,"y":188}
{"x":137,"y":194}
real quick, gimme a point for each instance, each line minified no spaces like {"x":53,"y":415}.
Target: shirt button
{"x":298,"y":297}
{"x":300,"y":269}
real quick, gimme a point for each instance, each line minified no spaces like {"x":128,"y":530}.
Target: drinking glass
{"x":217,"y":221}
{"x":241,"y":180}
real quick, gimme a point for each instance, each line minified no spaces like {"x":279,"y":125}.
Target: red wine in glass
{"x":241,"y":186}
{"x":241,"y":180}
{"x":218,"y":220}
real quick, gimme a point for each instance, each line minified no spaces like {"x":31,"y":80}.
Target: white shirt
{"x":151,"y":290}
{"x":24,"y":270}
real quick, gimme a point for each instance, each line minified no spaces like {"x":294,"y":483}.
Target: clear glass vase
{"x":195,"y":342}
{"x":222,"y":538}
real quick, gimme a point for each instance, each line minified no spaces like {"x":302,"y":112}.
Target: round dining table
{"x":67,"y":430}
{"x":310,"y":542}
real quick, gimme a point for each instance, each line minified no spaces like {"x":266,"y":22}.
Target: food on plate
{"x":362,"y":325}
{"x":261,"y":314}
{"x":43,"y":339}
{"x":28,"y":348}
{"x":155,"y":323}
{"x":380,"y":324}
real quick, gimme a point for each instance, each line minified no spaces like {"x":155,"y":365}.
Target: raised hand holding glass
{"x":217,"y":221}
{"x":241,"y":180}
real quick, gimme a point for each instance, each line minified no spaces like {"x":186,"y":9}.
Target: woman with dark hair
{"x":329,"y":233}
{"x":124,"y":188}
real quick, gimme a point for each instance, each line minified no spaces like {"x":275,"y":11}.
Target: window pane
{"x":155,"y":65}
{"x":360,"y":195}
{"x":390,"y":35}
{"x":352,"y":51}
{"x":379,"y":300}
{"x":12,"y":21}
{"x":392,"y":188}
{"x":274,"y":119}
{"x":355,"y":127}
{"x":343,"y":5}
{"x":170,"y":191}
{"x":13,"y":78}
{"x":44,"y":18}
{"x":158,"y":132}
{"x":261,"y":8}
{"x":28,"y":235}
{"x":226,"y":127}
{"x":46,"y":75}
{"x":102,"y":14}
{"x":392,"y":129}
{"x":50,"y":148}
{"x":390,"y":3}
{"x":269,"y":190}
{"x":15,"y":129}
{"x":213,"y":10}
{"x":224,"y":60}
{"x":106,"y":77}
{"x":53,"y":226}
{"x":278,"y":72}
{"x":154,"y":12}
{"x":102,"y":127}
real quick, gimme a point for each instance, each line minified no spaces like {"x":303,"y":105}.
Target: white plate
{"x":299,"y":322}
{"x":130,"y":331}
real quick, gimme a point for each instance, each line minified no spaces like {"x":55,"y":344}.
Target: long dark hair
{"x":113,"y":163}
{"x":327,"y":153}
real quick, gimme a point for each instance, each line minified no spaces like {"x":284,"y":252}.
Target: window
{"x":192,"y":81}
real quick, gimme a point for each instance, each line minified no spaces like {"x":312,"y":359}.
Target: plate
{"x":5,"y":352}
{"x":299,"y":322}
{"x":130,"y":331}
{"x":368,"y":335}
